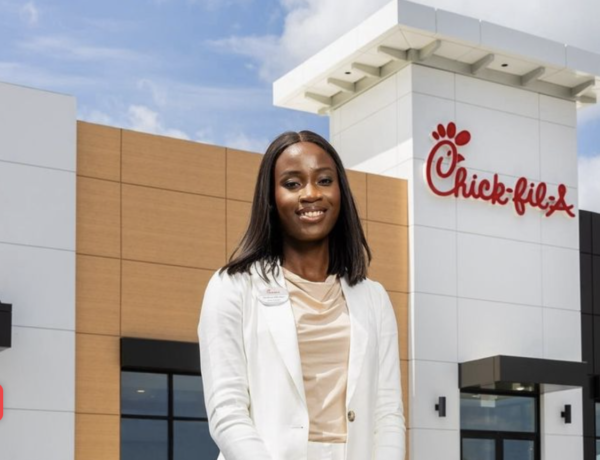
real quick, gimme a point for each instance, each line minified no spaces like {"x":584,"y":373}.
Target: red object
{"x":522,"y":193}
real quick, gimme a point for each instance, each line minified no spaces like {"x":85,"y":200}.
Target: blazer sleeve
{"x":390,"y":429}
{"x":224,"y":375}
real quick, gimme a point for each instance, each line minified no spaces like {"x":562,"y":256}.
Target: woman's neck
{"x":307,"y":260}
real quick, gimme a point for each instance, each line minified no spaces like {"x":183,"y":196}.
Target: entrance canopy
{"x":511,"y":372}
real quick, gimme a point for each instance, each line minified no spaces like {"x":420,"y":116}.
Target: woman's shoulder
{"x":369,"y":285}
{"x":222,"y":278}
{"x":238,"y":279}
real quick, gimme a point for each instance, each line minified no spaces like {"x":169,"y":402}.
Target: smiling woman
{"x":298,"y":347}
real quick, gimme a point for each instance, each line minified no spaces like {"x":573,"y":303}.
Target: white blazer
{"x":252,"y":375}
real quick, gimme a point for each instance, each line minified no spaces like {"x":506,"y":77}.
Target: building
{"x":457,"y":133}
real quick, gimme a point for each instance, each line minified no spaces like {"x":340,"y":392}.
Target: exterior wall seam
{"x":18,"y":163}
{"x":51,"y":248}
{"x":153,"y":187}
{"x":504,"y":238}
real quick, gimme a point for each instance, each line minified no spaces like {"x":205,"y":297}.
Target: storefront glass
{"x":499,"y":426}
{"x":163,"y":417}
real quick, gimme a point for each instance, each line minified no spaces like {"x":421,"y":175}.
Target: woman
{"x":299,"y":350}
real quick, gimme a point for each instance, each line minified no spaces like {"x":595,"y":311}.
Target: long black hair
{"x":349,"y":253}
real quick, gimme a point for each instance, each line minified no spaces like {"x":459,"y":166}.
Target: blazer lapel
{"x":282,"y":325}
{"x":359,"y":337}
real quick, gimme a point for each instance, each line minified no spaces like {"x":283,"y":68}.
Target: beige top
{"x":323,"y":328}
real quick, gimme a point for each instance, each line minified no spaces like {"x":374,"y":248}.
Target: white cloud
{"x":175,"y":94}
{"x":159,"y":94}
{"x":242,"y":141}
{"x":309,"y":25}
{"x":98,"y":117}
{"x":64,"y":47}
{"x":142,"y":118}
{"x":216,"y":4}
{"x":38,"y":77}
{"x":589,"y":183}
{"x":30,"y":13}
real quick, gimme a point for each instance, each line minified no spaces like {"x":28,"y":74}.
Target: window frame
{"x":164,"y":357}
{"x":500,"y":436}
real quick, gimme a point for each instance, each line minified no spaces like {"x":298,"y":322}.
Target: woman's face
{"x":307,"y":192}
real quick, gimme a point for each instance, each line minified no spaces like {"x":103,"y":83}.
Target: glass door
{"x":499,"y":426}
{"x":518,"y":449}
{"x":478,"y":449}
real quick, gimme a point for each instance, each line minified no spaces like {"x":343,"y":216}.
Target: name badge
{"x":273,"y":296}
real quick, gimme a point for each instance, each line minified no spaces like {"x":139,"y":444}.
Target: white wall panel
{"x":402,"y":171}
{"x":555,"y":447}
{"x":404,"y":81}
{"x":558,"y":146}
{"x":40,"y":283}
{"x":560,"y":269}
{"x":484,"y":218}
{"x":521,"y":43}
{"x":558,"y":111}
{"x":434,"y":269}
{"x":499,"y":270}
{"x":404,"y":131}
{"x":433,"y":82}
{"x":380,"y":96}
{"x":416,"y":16}
{"x":434,"y":321}
{"x":334,"y":122}
{"x":428,"y":112}
{"x":491,"y":328}
{"x":429,"y":209}
{"x":458,"y":26}
{"x":37,"y":127}
{"x":501,"y":142}
{"x":29,"y":435}
{"x":434,"y":444}
{"x":562,"y":334}
{"x":561,"y":230}
{"x":552,"y":404}
{"x":38,"y":206}
{"x":430,"y":381}
{"x":384,"y":19}
{"x":498,"y":97}
{"x":371,"y":144}
{"x":38,"y":372}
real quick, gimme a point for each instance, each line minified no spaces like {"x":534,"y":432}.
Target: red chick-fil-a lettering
{"x":444,"y":161}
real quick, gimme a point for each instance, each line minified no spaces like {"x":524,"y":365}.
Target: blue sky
{"x":151,"y":65}
{"x":203,"y":69}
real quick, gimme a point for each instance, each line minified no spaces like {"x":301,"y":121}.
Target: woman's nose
{"x":311,"y":193}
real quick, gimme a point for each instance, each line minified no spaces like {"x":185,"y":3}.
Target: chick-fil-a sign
{"x":443,"y":163}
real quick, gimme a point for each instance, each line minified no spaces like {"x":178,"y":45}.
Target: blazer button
{"x":351,"y":416}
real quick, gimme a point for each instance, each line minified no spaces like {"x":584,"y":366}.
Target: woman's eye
{"x":291,"y":184}
{"x":326,"y":181}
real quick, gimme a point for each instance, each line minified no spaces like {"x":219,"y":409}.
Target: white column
{"x":484,"y":280}
{"x":37,"y":272}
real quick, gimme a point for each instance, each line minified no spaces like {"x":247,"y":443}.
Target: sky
{"x":203,"y":69}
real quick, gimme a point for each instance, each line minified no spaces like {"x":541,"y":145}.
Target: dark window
{"x":163,"y":418}
{"x":499,"y":426}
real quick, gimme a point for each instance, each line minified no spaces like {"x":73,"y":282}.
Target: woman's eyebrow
{"x":299,"y":173}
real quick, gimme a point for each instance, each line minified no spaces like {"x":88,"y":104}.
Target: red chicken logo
{"x":442,"y":166}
